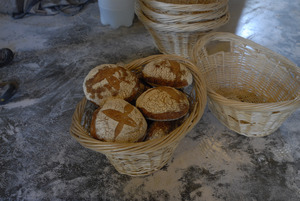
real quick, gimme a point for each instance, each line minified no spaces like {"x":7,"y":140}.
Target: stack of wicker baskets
{"x":142,"y":158}
{"x":176,"y":25}
{"x":251,"y":89}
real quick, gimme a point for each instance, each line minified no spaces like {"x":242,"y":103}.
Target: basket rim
{"x":140,"y":147}
{"x":274,"y":106}
{"x":245,"y":106}
{"x":230,"y":36}
{"x":174,"y":27}
{"x":179,"y":7}
{"x":187,"y":17}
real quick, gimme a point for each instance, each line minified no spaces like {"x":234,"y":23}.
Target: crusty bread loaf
{"x":118,"y":121}
{"x":167,"y":73}
{"x":159,"y":129}
{"x":110,"y":80}
{"x":163,"y":103}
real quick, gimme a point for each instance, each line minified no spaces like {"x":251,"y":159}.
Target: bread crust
{"x":118,"y":121}
{"x":159,"y":129}
{"x":163,"y":104}
{"x":167,"y":73}
{"x":110,"y":80}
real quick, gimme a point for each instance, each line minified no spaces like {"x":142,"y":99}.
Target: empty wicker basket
{"x":142,"y":158}
{"x":251,"y":89}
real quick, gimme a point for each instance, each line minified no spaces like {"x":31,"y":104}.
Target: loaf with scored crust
{"x":118,"y":121}
{"x":163,"y":103}
{"x":110,"y":80}
{"x":167,"y":73}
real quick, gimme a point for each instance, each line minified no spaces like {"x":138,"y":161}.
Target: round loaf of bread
{"x":163,"y":104}
{"x":118,"y":121}
{"x":159,"y":129}
{"x":167,"y":73}
{"x":110,"y":80}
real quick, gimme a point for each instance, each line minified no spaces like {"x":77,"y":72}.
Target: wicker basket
{"x":183,"y":17}
{"x":178,"y":38}
{"x":184,"y":6}
{"x":251,"y":89}
{"x":142,"y":158}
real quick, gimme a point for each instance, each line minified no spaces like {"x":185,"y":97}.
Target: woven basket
{"x":142,"y":158}
{"x":251,"y":89}
{"x":178,"y":38}
{"x":184,"y":6}
{"x":183,"y":17}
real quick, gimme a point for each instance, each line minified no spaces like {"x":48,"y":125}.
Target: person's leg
{"x":7,"y":89}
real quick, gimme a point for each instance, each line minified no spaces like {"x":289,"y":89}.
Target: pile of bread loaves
{"x":135,"y":107}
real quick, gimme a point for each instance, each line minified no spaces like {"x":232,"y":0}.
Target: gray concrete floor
{"x":39,"y":160}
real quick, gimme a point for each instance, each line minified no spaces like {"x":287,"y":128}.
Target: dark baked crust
{"x":166,"y":116}
{"x":162,"y":82}
{"x":92,"y":127}
{"x":160,"y":129}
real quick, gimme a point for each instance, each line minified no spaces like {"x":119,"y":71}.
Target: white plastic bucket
{"x":116,"y":13}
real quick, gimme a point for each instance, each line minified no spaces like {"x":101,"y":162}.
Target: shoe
{"x":7,"y":90}
{"x":6,"y":56}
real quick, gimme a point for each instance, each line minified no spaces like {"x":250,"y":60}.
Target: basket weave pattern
{"x":176,"y":32}
{"x":191,"y":17}
{"x":142,"y":158}
{"x":251,"y":89}
{"x":184,"y":6}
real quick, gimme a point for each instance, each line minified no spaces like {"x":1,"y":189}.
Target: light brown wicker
{"x":183,"y":17}
{"x":178,"y":38}
{"x":184,"y":6}
{"x":143,"y":158}
{"x":251,"y":89}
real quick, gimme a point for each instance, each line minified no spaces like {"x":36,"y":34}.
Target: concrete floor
{"x":39,"y":160}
